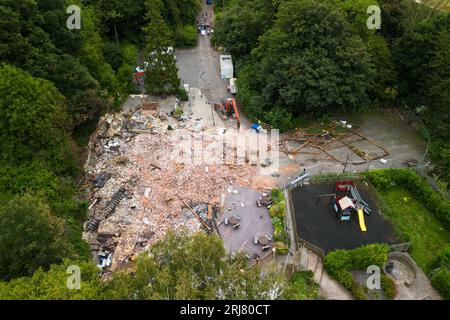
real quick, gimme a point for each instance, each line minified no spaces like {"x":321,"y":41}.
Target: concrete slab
{"x":254,"y":221}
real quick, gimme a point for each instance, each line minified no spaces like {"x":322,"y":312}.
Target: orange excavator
{"x":229,"y":109}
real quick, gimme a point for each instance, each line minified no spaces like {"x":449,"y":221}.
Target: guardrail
{"x":289,"y":219}
{"x":313,"y":248}
{"x":400,"y":247}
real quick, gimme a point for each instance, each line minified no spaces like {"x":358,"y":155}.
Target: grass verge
{"x":427,"y":235}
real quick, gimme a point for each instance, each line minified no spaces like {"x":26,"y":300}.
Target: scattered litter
{"x":267,"y":162}
{"x":276,"y":175}
{"x":101,"y":179}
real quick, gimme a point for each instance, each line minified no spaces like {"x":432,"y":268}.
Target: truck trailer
{"x":226,"y":67}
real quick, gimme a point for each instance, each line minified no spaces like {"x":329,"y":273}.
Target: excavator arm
{"x":231,"y":103}
{"x":236,"y":111}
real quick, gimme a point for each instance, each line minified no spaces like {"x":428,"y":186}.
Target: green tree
{"x":30,"y":237}
{"x":422,"y":58}
{"x":193,"y":267}
{"x":52,"y":284}
{"x":384,"y":87}
{"x":437,"y":86}
{"x":311,"y":62}
{"x":33,"y":113}
{"x":161,"y":76}
{"x":121,"y":18}
{"x":239,"y":27}
{"x":356,"y":15}
{"x":395,"y":17}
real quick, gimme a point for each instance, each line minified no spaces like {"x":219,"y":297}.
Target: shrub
{"x":357,"y":290}
{"x":303,"y":286}
{"x":372,"y":254}
{"x":279,"y":119}
{"x":337,"y":261}
{"x":345,"y":278}
{"x":278,"y":209}
{"x":281,"y":248}
{"x":279,"y":233}
{"x":388,"y":286}
{"x":441,"y":281}
{"x":277,"y":213}
{"x":277,"y":195}
{"x":183,"y":95}
{"x":443,"y":213}
{"x":178,"y":112}
{"x":443,"y":259}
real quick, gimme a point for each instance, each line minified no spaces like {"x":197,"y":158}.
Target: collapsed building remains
{"x":138,"y":191}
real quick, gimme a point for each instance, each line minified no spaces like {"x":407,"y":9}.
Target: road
{"x":199,"y":67}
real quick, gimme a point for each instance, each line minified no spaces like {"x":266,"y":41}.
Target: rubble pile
{"x":138,"y":190}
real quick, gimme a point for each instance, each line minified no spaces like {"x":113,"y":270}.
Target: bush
{"x":389,"y":287}
{"x":338,"y":263}
{"x":279,"y":233}
{"x":183,"y":95}
{"x":345,"y":278}
{"x":178,"y":112}
{"x":278,"y":210}
{"x":277,"y":195}
{"x":277,"y":213}
{"x":443,"y":259}
{"x":279,"y":119}
{"x":372,"y":254}
{"x":443,"y":213}
{"x":357,"y":290}
{"x":281,"y":248}
{"x":441,"y":281}
{"x":303,"y":286}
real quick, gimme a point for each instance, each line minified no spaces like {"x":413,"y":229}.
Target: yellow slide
{"x":362,"y":223}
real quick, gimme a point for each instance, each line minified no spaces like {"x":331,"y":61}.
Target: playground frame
{"x":330,"y":137}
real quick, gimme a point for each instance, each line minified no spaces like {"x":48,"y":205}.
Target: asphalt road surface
{"x":200,"y":68}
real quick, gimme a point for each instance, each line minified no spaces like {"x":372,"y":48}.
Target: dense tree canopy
{"x":196,"y":267}
{"x":297,"y":59}
{"x":161,"y":74}
{"x":422,"y":56}
{"x":180,"y":266}
{"x":52,"y":284}
{"x":240,"y":27}
{"x":33,"y":115}
{"x":30,"y":237}
{"x":309,"y":61}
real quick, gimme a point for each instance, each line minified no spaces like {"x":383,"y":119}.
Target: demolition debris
{"x":137,"y":191}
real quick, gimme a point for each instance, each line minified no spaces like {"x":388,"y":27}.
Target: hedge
{"x":443,"y":259}
{"x":441,"y":281}
{"x":386,"y":179}
{"x":389,"y":287}
{"x":277,"y":214}
{"x":338,"y":264}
